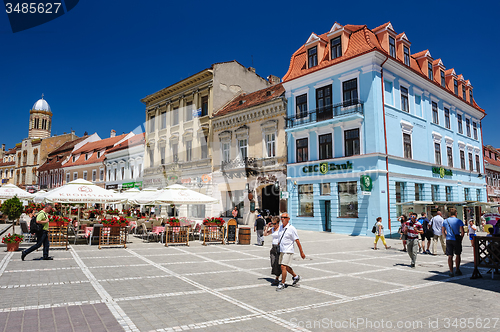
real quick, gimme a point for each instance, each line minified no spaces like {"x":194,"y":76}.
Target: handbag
{"x":458,"y":237}
{"x":374,"y":229}
{"x":279,"y":242}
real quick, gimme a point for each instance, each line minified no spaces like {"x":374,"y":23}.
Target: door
{"x":327,"y":222}
{"x":324,"y":103}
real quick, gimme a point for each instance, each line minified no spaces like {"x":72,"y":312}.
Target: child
{"x":472,"y":231}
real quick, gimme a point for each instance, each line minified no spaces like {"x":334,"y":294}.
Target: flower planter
{"x":13,"y":246}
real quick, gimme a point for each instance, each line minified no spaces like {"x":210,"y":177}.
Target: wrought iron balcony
{"x":325,"y":113}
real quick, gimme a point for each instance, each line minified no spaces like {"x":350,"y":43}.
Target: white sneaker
{"x":295,"y":280}
{"x":280,"y":287}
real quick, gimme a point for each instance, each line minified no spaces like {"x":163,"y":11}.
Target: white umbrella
{"x":39,"y":197}
{"x":9,"y":190}
{"x":145,"y":197}
{"x":177,"y":194}
{"x":82,"y":191}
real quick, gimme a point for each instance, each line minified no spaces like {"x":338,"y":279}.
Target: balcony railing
{"x":325,"y":113}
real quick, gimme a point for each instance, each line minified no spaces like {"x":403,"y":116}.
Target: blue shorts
{"x":471,"y":236}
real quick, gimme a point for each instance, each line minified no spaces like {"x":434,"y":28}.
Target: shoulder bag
{"x":458,"y":237}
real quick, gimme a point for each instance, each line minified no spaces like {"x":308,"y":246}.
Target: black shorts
{"x":453,"y":247}
{"x":425,"y":236}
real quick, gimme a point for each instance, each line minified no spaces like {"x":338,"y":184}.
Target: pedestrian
{"x":472,"y":231}
{"x":379,"y":234}
{"x":453,"y":228}
{"x":288,"y":235}
{"x":273,"y":229}
{"x":412,"y":229}
{"x":42,"y":237}
{"x":401,"y":231}
{"x":437,"y":225}
{"x":427,"y":234}
{"x":235,"y":213}
{"x":258,"y":227}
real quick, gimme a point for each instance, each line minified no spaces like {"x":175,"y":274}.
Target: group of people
{"x":415,"y":233}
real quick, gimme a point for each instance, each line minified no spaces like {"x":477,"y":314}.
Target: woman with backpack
{"x":401,"y":231}
{"x":379,"y":234}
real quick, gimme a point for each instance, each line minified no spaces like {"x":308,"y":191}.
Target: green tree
{"x":13,"y":208}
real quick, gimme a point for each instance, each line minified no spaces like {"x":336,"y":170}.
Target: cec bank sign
{"x":324,"y":168}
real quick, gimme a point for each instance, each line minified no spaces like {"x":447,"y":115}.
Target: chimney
{"x":252,"y":69}
{"x":113,"y":133}
{"x":273,"y":79}
{"x":3,"y":147}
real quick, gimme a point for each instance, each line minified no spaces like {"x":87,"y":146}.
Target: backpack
{"x":34,"y":226}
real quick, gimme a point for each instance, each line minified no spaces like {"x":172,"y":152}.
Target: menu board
{"x":231,"y":230}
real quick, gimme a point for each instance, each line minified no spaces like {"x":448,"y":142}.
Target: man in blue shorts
{"x":453,"y":229}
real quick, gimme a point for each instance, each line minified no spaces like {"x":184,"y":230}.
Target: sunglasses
{"x":285,"y":217}
{"x":273,"y":223}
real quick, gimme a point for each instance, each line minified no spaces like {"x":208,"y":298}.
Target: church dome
{"x":41,"y":105}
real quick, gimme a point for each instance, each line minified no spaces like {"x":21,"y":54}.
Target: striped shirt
{"x":413,"y":229}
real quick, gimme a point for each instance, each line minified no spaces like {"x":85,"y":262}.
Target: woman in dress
{"x":273,"y":229}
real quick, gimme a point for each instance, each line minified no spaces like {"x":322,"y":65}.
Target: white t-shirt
{"x":437,"y":224}
{"x":288,"y":239}
{"x":276,"y":236}
{"x":472,"y":229}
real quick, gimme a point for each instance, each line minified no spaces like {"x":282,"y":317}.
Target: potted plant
{"x":13,"y":208}
{"x":174,"y":221}
{"x":213,"y":221}
{"x":13,"y":241}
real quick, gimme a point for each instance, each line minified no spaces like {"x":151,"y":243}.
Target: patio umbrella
{"x":82,"y":191}
{"x":177,"y":194}
{"x":9,"y":190}
{"x":39,"y":197}
{"x":144,"y":197}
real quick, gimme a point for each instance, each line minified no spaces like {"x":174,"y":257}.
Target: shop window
{"x":324,"y":189}
{"x":407,"y":145}
{"x":351,"y":141}
{"x":306,"y":202}
{"x":336,"y":47}
{"x":437,"y":153}
{"x":325,"y":146}
{"x":478,"y":194}
{"x":301,"y":106}
{"x":348,"y":199}
{"x":448,"y":193}
{"x":302,"y":150}
{"x":435,"y":192}
{"x":467,"y":194}
{"x":400,"y":192}
{"x":462,"y":159}
{"x":404,"y":99}
{"x":449,"y":153}
{"x":197,"y":210}
{"x":419,"y":192}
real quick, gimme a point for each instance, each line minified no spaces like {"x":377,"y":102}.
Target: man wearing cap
{"x":258,"y":227}
{"x":288,"y":236}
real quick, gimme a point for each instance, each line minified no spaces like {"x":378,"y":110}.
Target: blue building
{"x":374,"y":130}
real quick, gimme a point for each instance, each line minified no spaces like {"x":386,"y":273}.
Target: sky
{"x":96,"y":62}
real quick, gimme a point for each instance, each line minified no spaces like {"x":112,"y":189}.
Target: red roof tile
{"x":380,"y":27}
{"x":244,"y":101}
{"x":131,"y":142}
{"x":98,"y":145}
{"x":419,"y":54}
{"x":8,"y":163}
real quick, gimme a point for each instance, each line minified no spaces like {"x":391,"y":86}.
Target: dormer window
{"x":336,"y":47}
{"x":98,"y":154}
{"x":74,"y":158}
{"x":429,"y":70}
{"x":455,"y":83}
{"x":392,"y":47}
{"x":312,"y":56}
{"x":470,"y":96}
{"x":87,"y":156}
{"x":406,"y":55}
{"x":464,"y":96}
{"x":443,"y":81}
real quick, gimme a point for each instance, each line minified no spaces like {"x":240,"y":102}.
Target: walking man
{"x":42,"y":237}
{"x":427,"y":235}
{"x":453,"y":229}
{"x":258,"y":227}
{"x":413,"y":229}
{"x":437,"y":225}
{"x":288,"y":236}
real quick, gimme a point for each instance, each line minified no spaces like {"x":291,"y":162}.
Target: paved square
{"x":149,"y":287}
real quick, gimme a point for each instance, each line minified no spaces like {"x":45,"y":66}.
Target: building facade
{"x":7,"y":165}
{"x":249,"y":153}
{"x":124,"y":164}
{"x":492,"y":172}
{"x":86,"y":161}
{"x":375,"y":130}
{"x":178,"y":128}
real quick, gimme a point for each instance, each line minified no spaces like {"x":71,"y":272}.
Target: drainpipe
{"x":484,"y":166}
{"x":386,"y":155}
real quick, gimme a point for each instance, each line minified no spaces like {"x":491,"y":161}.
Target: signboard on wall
{"x":324,"y":168}
{"x":366,"y":183}
{"x":442,"y":172}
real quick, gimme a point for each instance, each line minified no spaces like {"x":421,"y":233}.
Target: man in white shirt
{"x":437,"y":223}
{"x":288,"y":236}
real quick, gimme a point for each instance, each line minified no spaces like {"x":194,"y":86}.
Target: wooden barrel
{"x":244,"y":235}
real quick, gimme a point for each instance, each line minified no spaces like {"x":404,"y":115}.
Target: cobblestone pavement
{"x":148,"y":287}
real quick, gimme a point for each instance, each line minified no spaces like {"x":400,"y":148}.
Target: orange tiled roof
{"x":361,"y":41}
{"x":98,"y":145}
{"x":56,"y":157}
{"x":449,"y":71}
{"x":8,"y":163}
{"x":252,"y":99}
{"x":131,"y":142}
{"x":11,"y":151}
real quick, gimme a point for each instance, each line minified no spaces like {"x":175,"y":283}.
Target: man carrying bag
{"x":453,"y":228}
{"x":42,"y":236}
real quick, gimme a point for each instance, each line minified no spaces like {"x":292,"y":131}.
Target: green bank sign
{"x":324,"y":168}
{"x":442,"y":172}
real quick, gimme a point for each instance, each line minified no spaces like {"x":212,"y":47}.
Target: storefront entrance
{"x":271,"y":199}
{"x":326,"y":216}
